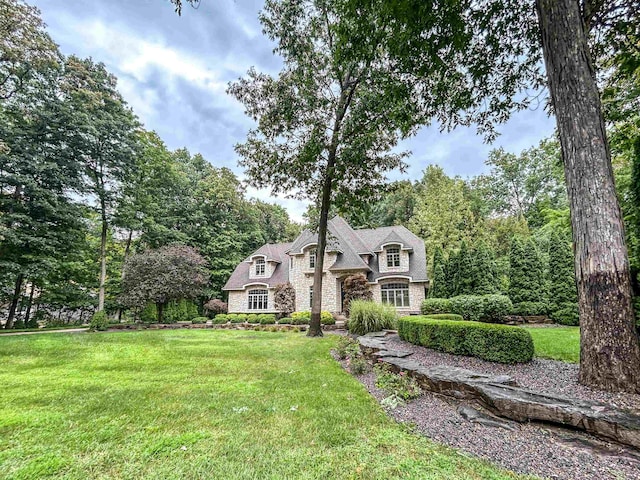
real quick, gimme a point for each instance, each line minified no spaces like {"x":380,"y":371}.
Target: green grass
{"x":559,"y":343}
{"x":201,"y":404}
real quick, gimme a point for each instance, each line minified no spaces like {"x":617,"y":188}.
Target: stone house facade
{"x":392,"y":258}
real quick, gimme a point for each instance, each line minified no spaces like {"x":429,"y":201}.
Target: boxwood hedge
{"x":496,"y":343}
{"x":445,"y":316}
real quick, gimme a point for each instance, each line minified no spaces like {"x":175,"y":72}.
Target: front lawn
{"x":201,"y":404}
{"x":557,"y":343}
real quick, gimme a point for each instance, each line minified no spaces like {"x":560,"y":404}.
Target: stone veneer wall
{"x":238,"y":301}
{"x":382,"y":261}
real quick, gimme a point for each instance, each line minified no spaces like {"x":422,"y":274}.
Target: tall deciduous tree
{"x":609,"y":347}
{"x":442,"y":215}
{"x":102,"y":137}
{"x":328,"y":122}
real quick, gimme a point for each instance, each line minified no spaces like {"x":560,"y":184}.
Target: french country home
{"x":392,"y":258}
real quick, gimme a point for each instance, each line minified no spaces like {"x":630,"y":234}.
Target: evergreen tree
{"x":563,"y":290}
{"x":536,"y":274}
{"x":439,"y":281}
{"x":518,"y":281}
{"x":451,"y":273}
{"x":464,"y":274}
{"x":484,"y":274}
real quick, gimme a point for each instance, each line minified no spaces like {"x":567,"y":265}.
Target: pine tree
{"x":563,"y":292}
{"x":536,"y":274}
{"x":439,"y":281}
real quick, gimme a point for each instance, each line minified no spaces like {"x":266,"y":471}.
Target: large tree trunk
{"x":315,"y":327}
{"x":14,"y":302}
{"x":609,"y":346}
{"x":103,"y":259}
{"x":160,"y":311}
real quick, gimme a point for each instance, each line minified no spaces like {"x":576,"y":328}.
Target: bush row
{"x":261,"y":318}
{"x":367,"y":316}
{"x":485,"y":308}
{"x":303,"y":318}
{"x":496,"y":343}
{"x":297,"y":318}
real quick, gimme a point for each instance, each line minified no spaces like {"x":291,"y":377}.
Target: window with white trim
{"x":393,"y":257}
{"x":312,"y":258}
{"x":258,"y":299}
{"x":311,"y":296}
{"x":396,"y":294}
{"x":260,"y":267}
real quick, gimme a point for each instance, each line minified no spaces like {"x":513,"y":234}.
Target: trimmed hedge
{"x":200,"y":320}
{"x":530,"y":308}
{"x":496,"y":343}
{"x":435,"y":305}
{"x":220,"y":319}
{"x":304,"y":317}
{"x":446,"y":316}
{"x":471,"y":307}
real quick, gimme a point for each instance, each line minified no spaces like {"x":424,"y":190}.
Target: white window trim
{"x":393,"y":257}
{"x":262,"y":263}
{"x":258,"y":298}
{"x":397,"y":294}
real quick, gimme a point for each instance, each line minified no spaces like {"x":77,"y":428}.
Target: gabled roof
{"x":275,"y":252}
{"x":374,"y":238}
{"x":351,"y":245}
{"x":272,"y":251}
{"x":392,"y":238}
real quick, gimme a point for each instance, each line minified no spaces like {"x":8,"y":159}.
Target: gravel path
{"x":540,"y":375}
{"x":532,"y":448}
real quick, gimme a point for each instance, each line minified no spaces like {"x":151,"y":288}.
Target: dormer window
{"x":312,"y":258}
{"x":393,"y":257}
{"x":260,"y":267}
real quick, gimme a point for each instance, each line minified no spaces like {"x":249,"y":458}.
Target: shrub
{"x":355,"y":287}
{"x":398,"y":385}
{"x":286,"y":320}
{"x":149,"y":313}
{"x":253,"y":318}
{"x":446,"y":316}
{"x":220,"y":319}
{"x":284,"y":298}
{"x":304,"y":317}
{"x":347,"y":347}
{"x":496,"y":343}
{"x":435,"y":305}
{"x":371,"y":317}
{"x":99,"y":321}
{"x":200,"y":320}
{"x":496,"y":307}
{"x":471,"y":307}
{"x":216,"y":306}
{"x":267,"y":318}
{"x":358,"y":366}
{"x":530,"y":308}
{"x":237,"y":317}
{"x":567,"y":315}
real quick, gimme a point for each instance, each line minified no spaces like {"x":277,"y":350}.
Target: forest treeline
{"x":83,"y":186}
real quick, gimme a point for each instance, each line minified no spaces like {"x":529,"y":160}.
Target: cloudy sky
{"x":174,"y":70}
